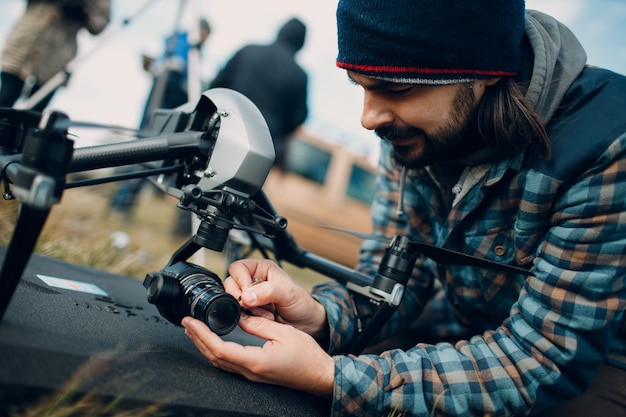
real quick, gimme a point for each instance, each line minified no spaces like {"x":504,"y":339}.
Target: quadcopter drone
{"x":214,"y":157}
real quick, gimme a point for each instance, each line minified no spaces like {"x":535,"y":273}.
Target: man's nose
{"x":375,"y":112}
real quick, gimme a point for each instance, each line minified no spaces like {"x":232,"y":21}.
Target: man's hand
{"x":289,"y":357}
{"x":259,"y":283}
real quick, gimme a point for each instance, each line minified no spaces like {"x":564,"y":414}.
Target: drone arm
{"x":286,"y":248}
{"x":386,"y":290}
{"x":170,"y":146}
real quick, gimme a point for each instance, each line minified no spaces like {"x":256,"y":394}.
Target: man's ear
{"x":491,"y":81}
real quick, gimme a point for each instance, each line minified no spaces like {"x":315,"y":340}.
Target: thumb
{"x":261,"y":327}
{"x":284,"y":295}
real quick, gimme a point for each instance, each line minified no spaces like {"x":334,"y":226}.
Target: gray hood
{"x":559,"y":59}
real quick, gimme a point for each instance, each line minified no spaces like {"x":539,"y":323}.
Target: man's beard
{"x":449,"y":142}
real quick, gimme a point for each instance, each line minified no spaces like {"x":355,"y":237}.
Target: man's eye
{"x":400,"y":89}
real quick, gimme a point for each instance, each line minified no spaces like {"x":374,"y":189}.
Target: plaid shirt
{"x":538,"y":339}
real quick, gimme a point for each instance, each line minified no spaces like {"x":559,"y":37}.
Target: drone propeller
{"x":64,"y":124}
{"x":438,"y":254}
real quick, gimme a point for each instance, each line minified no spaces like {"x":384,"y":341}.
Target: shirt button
{"x":499,"y":250}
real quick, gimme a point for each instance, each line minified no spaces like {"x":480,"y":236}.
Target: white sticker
{"x":68,"y":284}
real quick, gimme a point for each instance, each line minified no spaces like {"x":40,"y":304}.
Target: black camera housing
{"x":184,"y":289}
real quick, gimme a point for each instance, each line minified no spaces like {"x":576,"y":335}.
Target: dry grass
{"x":81,"y":229}
{"x":71,"y":400}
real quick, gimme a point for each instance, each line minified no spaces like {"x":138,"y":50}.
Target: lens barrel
{"x":184,"y":289}
{"x":207,"y":301}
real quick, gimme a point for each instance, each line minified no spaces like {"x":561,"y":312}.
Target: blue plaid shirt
{"x":538,"y":339}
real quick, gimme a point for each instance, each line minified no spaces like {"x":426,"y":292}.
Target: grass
{"x":70,"y":401}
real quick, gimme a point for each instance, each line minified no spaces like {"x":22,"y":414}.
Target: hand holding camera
{"x":258,"y":283}
{"x":289,"y":357}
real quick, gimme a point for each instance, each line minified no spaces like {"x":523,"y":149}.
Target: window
{"x":308,"y":160}
{"x":362,"y":185}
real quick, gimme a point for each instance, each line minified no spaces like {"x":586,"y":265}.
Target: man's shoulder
{"x":591,"y":117}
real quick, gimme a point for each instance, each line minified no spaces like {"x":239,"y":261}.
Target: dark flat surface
{"x":49,"y":333}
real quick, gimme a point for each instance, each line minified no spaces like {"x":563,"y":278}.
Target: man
{"x":270,"y":76}
{"x":514,"y":151}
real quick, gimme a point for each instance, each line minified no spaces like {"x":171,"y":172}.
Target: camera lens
{"x":208,"y":302}
{"x":220,"y":312}
{"x":185,"y":289}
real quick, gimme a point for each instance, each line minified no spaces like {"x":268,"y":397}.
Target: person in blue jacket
{"x":498,"y":140}
{"x":169,"y":85}
{"x":168,"y":91}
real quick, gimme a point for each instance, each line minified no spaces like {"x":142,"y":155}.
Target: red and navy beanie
{"x":430,"y":41}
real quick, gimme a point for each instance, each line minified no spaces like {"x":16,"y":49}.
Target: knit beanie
{"x":430,"y":41}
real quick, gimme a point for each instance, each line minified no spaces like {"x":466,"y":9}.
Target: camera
{"x":185,"y":289}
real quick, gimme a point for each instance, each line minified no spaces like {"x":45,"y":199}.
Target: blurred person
{"x":505,"y":145}
{"x":43,"y":42}
{"x":272,"y":79}
{"x":169,"y":85}
{"x":169,"y":90}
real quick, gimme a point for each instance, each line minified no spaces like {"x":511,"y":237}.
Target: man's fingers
{"x":267,"y":293}
{"x":228,"y":356}
{"x":232,"y":287}
{"x":222,"y":354}
{"x":204,"y":339}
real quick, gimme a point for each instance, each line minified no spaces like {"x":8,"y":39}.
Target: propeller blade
{"x":360,"y":235}
{"x":445,"y":256}
{"x":440,"y":255}
{"x":64,"y":124}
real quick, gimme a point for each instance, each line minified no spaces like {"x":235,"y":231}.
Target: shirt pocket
{"x":482,"y":294}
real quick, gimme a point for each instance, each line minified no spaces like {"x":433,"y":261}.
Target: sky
{"x":108,"y":84}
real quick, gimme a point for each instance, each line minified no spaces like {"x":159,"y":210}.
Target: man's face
{"x":425,"y":124}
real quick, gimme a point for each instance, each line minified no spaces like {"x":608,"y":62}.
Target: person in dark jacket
{"x":270,"y":76}
{"x":497,"y":141}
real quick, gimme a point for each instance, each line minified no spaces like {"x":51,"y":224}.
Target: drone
{"x":213,"y":156}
